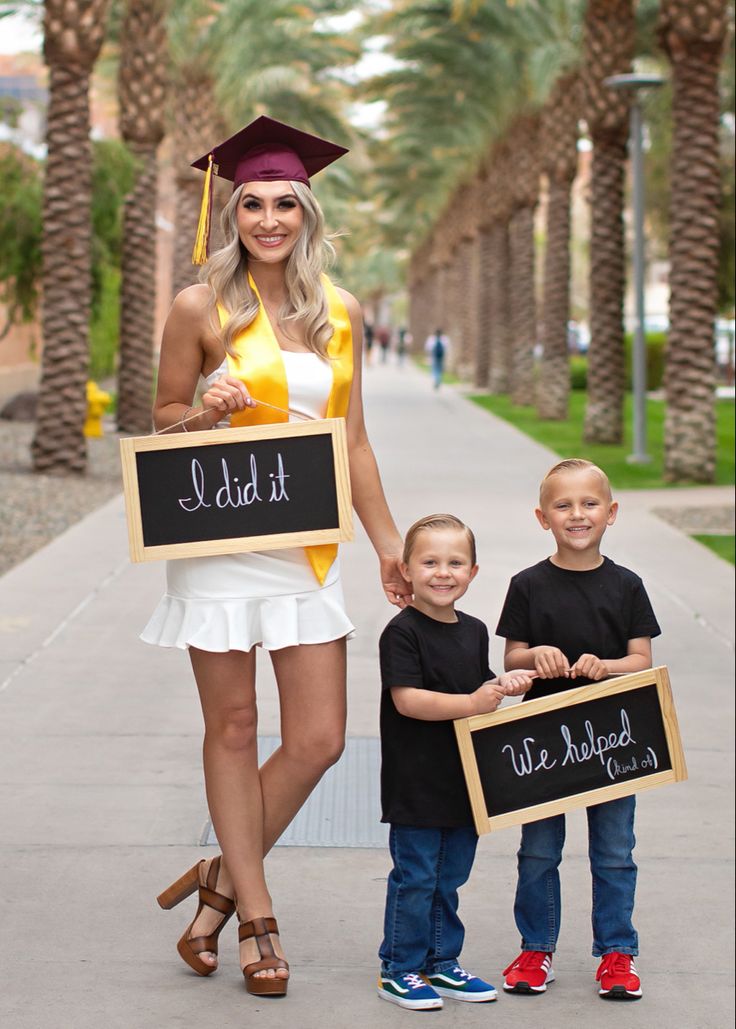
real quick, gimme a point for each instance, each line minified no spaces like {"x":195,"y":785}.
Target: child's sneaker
{"x":530,"y":973}
{"x":461,"y":985}
{"x":409,"y":991}
{"x":618,"y":977}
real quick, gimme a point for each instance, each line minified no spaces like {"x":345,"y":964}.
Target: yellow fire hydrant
{"x":97,"y":401}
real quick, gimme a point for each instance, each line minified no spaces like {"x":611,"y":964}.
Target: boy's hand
{"x":550,"y":663}
{"x":516,"y":682}
{"x":590,"y":666}
{"x":487,"y":697}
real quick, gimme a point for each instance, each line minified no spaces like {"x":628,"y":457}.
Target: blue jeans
{"x":537,"y":908}
{"x":422,"y":931}
{"x":438,"y":367}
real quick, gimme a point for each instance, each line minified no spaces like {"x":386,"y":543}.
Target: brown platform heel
{"x":263,"y":986}
{"x":190,"y":949}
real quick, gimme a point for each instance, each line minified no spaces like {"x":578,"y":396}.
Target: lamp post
{"x":633,"y":84}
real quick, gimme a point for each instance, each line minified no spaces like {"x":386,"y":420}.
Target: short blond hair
{"x":437,"y":521}
{"x":573,"y":464}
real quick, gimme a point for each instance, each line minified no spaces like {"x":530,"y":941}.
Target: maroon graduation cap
{"x":266,"y":150}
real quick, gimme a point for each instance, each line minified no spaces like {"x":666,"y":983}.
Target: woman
{"x":269,"y":333}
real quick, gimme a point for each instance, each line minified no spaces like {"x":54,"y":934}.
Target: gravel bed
{"x":36,"y":508}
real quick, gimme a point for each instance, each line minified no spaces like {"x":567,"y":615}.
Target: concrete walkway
{"x":102,"y":799}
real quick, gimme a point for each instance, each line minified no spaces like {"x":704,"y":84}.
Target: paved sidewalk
{"x":102,"y":800}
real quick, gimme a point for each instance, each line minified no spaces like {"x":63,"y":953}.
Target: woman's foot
{"x":198,"y":944}
{"x":209,"y":921}
{"x":262,"y":959}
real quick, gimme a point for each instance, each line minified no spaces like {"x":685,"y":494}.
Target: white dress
{"x":270,"y":598}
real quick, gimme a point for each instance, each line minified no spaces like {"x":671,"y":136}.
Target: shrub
{"x":656,"y":346}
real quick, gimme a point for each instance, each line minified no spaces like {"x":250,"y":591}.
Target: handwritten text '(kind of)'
{"x":230,"y":491}
{"x":532,"y":757}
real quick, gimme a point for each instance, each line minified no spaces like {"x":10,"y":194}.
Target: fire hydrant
{"x":97,"y":401}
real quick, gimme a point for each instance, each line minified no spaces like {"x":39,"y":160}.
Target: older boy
{"x":577,"y":618}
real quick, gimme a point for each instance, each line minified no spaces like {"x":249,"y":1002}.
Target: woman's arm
{"x":187,"y":337}
{"x":369,"y":499}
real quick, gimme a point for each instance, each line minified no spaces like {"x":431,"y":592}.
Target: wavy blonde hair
{"x":226,"y":274}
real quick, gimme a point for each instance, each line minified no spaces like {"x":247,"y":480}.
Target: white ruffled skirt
{"x":237,"y":601}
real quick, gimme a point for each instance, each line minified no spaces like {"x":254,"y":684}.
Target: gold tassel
{"x":201,"y":251}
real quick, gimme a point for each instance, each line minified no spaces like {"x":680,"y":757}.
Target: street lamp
{"x":633,"y":84}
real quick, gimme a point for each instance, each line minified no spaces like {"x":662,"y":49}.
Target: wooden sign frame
{"x":465,"y":727}
{"x":134,"y":445}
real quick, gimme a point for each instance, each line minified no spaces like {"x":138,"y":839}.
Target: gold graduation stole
{"x":260,"y":366}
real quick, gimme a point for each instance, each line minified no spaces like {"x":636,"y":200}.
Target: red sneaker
{"x":618,"y":977}
{"x":529,"y":973}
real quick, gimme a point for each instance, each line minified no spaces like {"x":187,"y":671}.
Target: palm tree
{"x":496,"y":309}
{"x":609,"y":45}
{"x":233,"y":61}
{"x":524,"y":186}
{"x":73,"y":34}
{"x":693,"y":37}
{"x":559,"y":150}
{"x":142,"y":87}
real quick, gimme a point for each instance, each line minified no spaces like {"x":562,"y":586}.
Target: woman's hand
{"x":398,"y":591}
{"x":227,"y":394}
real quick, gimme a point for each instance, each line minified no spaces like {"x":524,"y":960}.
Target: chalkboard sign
{"x":235,"y":490}
{"x":583,"y":746}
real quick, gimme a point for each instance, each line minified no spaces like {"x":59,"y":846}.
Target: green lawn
{"x":724,"y":546}
{"x":566,"y":439}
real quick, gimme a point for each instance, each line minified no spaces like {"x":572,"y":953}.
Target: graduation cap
{"x":266,"y":150}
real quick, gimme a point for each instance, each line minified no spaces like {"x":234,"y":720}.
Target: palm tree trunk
{"x":485,"y":311}
{"x":198,"y":127}
{"x":609,"y":47}
{"x":553,"y":389}
{"x":606,"y":378}
{"x":523,"y":305}
{"x":467,"y":304}
{"x":59,"y":444}
{"x":560,"y":162}
{"x":523,"y":184}
{"x":138,"y":296}
{"x":499,"y":299}
{"x":694,"y":45}
{"x":142,"y":95}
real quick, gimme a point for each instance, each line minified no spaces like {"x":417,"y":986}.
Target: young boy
{"x":434,"y":667}
{"x":577,"y":618}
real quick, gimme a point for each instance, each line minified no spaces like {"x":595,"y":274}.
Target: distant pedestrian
{"x":437,"y":346}
{"x":574,"y":619}
{"x":384,"y":341}
{"x":368,"y":340}
{"x":434,"y":668}
{"x":403,"y":342}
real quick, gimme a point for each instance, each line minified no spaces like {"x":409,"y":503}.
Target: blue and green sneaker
{"x":461,"y":985}
{"x":409,"y":991}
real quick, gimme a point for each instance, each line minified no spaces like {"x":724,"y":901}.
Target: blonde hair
{"x":437,"y":521}
{"x":573,"y":464}
{"x":226,"y":273}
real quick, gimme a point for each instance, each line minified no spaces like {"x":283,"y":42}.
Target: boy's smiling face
{"x":440,"y":569}
{"x":576,"y":506}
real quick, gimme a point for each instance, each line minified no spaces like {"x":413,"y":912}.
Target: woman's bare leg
{"x":226,"y":684}
{"x":311,"y":681}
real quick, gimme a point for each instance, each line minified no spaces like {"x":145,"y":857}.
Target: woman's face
{"x":270,"y":220}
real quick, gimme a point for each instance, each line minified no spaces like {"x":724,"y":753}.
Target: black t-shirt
{"x":422,"y":780}
{"x":595,"y":612}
